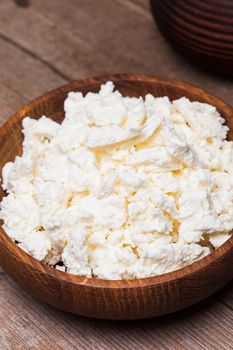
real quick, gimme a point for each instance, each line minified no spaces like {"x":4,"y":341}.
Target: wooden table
{"x":46,"y":43}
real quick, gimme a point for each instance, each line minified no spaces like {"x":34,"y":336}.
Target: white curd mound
{"x":123,"y":188}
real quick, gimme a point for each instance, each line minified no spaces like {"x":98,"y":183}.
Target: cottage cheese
{"x":123,"y":188}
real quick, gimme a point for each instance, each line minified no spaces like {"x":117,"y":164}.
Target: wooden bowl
{"x":126,"y":299}
{"x":201,"y":30}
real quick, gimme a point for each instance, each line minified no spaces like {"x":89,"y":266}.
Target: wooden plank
{"x":9,"y":101}
{"x":18,"y":84}
{"x":140,"y":7}
{"x":68,"y":55}
{"x":145,"y":4}
{"x":98,"y":31}
{"x":108,"y":28}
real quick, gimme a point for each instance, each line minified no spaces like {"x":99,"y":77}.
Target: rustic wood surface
{"x":44,"y":44}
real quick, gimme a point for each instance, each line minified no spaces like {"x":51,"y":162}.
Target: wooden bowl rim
{"x":42,"y":268}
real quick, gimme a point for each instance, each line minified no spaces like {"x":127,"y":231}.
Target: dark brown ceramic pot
{"x":202,"y":30}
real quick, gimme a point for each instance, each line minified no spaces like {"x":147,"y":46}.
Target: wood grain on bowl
{"x":126,"y":299}
{"x":201,"y":30}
